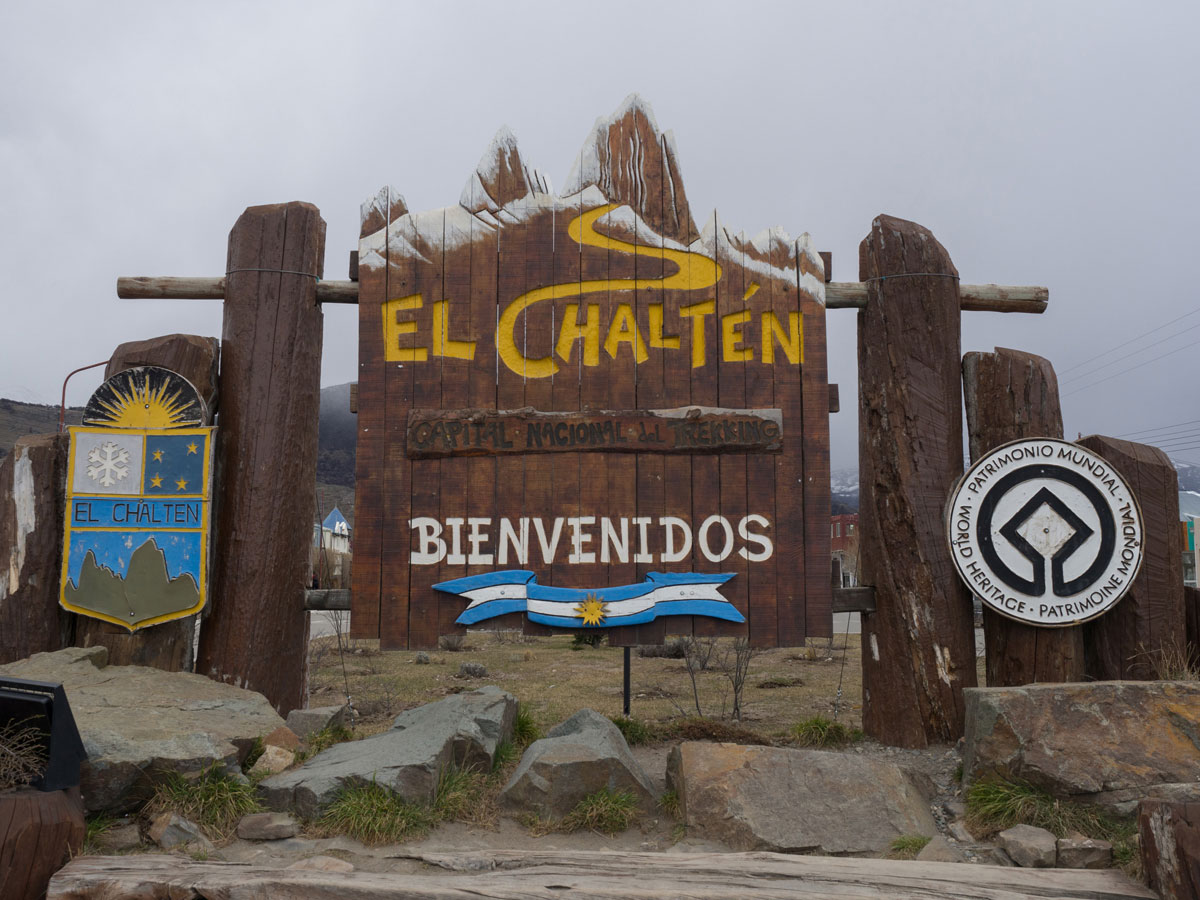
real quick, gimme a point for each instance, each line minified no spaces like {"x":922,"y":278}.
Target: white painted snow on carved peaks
{"x":758,"y":254}
{"x":491,"y":187}
{"x":624,"y":223}
{"x":590,"y":166}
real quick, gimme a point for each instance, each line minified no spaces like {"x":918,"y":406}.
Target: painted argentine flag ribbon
{"x":661,"y":594}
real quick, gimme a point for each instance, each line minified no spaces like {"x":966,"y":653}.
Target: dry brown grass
{"x":553,"y":681}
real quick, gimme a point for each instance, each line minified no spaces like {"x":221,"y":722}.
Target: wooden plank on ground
{"x":591,"y":875}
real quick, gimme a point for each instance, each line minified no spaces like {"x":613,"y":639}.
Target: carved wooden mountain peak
{"x":501,"y":177}
{"x":632,"y":162}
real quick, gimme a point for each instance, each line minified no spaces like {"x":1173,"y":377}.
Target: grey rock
{"x":268,"y":826}
{"x":796,"y":801}
{"x":273,"y":761}
{"x":307,"y":722}
{"x":939,"y":850}
{"x":994,"y":856}
{"x":1084,"y":853}
{"x":578,"y":757}
{"x":462,"y":730}
{"x":958,"y":830}
{"x":1109,"y":743}
{"x":1030,"y":847}
{"x":422,"y":658}
{"x":170,"y":830}
{"x":135,"y":721}
{"x":119,"y":839}
{"x":472,"y":670}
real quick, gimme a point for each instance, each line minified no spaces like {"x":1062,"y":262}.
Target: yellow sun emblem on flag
{"x":139,"y":403}
{"x":592,"y":610}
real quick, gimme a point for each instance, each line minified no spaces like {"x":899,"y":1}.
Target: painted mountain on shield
{"x":146,"y":592}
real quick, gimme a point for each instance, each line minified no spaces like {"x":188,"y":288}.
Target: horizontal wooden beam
{"x":170,"y":287}
{"x":974,"y":297}
{"x":330,"y":599}
{"x":855,"y":599}
{"x":838,"y":294}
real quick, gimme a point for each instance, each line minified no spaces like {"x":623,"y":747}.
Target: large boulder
{"x":580,"y":756}
{"x":462,"y":730}
{"x":1108,"y":742}
{"x":795,"y":801}
{"x":137,"y":722}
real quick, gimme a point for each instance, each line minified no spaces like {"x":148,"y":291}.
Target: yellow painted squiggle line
{"x":696,"y":272}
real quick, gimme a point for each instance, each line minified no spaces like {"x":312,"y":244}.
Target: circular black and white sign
{"x":1045,"y":532}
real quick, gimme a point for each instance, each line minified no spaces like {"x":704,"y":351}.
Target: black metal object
{"x":626,"y":695}
{"x":44,"y":705}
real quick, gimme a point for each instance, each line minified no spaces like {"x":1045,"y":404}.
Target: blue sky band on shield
{"x":660,"y":594}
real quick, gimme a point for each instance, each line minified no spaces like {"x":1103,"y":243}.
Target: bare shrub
{"x":23,"y":754}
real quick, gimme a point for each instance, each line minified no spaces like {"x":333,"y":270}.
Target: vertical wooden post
{"x":1012,"y":395}
{"x":1169,"y":842}
{"x":1150,"y":620}
{"x":167,"y":646}
{"x":256,"y":633}
{"x":31,"y":529}
{"x":918,"y":647}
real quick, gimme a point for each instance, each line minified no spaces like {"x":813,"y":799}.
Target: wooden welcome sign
{"x":585,"y":397}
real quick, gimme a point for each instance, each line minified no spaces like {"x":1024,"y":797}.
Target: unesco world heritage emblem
{"x":1045,"y":532}
{"x":138,"y":500}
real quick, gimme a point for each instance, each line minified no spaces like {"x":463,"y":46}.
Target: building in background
{"x":843,"y":533}
{"x":331,"y":552}
{"x":1189,"y":515}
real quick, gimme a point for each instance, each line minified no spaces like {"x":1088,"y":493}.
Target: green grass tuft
{"x":95,"y":827}
{"x":212,"y":800}
{"x":819,"y":731}
{"x":669,"y":804}
{"x":635,"y":730}
{"x":994,"y":804}
{"x":373,"y":814}
{"x":525,"y":728}
{"x":605,"y":811}
{"x":506,"y":752}
{"x":323,"y":740}
{"x":907,"y":846}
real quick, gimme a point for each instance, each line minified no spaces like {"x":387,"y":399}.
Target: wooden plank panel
{"x":701,"y":341}
{"x":652,"y":502}
{"x":731,"y":392}
{"x":511,"y":499}
{"x":595,"y":385}
{"x":452,"y":323}
{"x":369,"y":469}
{"x":791,"y":578}
{"x":816,"y":515}
{"x":771,"y":296}
{"x":425,"y":279}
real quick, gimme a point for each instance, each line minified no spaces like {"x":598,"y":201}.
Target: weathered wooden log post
{"x":1012,"y":395}
{"x":31,"y":525}
{"x":166,"y":646}
{"x":256,"y":633}
{"x":1169,"y":840}
{"x":1148,"y":626}
{"x":918,"y":646}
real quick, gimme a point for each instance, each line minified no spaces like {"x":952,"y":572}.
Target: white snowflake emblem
{"x":108,"y":463}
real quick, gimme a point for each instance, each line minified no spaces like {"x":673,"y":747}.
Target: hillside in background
{"x":19,"y":419}
{"x":337,"y":438}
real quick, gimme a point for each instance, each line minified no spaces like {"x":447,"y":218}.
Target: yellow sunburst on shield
{"x":144,"y":397}
{"x":591,"y":609}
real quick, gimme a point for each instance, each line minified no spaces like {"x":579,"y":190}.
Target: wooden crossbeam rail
{"x":838,"y":294}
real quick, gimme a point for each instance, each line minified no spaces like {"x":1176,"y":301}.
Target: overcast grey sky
{"x":1043,"y":143}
